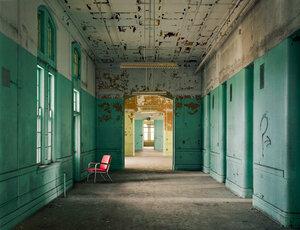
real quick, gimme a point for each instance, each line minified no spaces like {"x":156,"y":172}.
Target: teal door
{"x":138,"y":133}
{"x":158,"y":135}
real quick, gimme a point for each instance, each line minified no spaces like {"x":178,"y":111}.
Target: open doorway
{"x":148,"y":133}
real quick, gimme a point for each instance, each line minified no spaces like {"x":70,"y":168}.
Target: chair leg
{"x":109,"y":177}
{"x":87,"y":178}
{"x":102,"y":177}
{"x":95,"y":177}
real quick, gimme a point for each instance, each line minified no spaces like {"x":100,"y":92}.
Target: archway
{"x":148,"y":132}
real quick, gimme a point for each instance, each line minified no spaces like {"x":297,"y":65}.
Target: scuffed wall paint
{"x":111,"y":80}
{"x":110,"y":129}
{"x":257,"y":33}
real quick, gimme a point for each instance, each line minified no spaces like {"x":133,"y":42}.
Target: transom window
{"x":46,"y":35}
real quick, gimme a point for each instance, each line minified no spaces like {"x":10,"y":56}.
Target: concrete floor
{"x":150,"y":200}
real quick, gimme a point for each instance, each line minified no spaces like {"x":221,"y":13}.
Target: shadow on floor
{"x":156,"y":200}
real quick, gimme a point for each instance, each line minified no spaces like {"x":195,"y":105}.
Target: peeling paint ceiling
{"x":149,"y":30}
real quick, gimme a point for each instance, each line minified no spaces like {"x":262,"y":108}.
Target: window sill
{"x":43,"y":167}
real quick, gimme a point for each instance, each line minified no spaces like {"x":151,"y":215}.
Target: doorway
{"x":148,"y":133}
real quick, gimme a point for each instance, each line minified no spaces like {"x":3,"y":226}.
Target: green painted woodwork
{"x":217,"y":133}
{"x":88,"y":131}
{"x":239,"y":163}
{"x":187,"y":134}
{"x":24,"y":186}
{"x":159,"y":135}
{"x":276,"y":139}
{"x":8,"y":106}
{"x":63,"y":114}
{"x":110,"y":130}
{"x":206,"y":133}
{"x":138,"y":134}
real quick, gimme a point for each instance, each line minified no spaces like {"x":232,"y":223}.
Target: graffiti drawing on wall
{"x":264,"y":129}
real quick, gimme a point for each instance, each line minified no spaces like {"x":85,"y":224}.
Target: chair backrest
{"x":105,"y":162}
{"x":106,"y":159}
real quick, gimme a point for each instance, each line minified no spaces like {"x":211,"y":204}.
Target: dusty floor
{"x":149,"y":160}
{"x":148,"y":195}
{"x":150,"y":200}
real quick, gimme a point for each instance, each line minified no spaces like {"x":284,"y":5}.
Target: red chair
{"x":101,"y":168}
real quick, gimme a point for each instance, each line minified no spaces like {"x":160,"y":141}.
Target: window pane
{"x":40,"y":19}
{"x":39,"y":106}
{"x":50,"y":40}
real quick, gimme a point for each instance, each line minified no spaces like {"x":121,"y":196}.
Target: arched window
{"x":46,"y":70}
{"x":46,"y":36}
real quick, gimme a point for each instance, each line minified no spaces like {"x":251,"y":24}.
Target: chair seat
{"x":96,"y":169}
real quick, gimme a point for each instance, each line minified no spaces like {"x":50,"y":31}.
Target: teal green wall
{"x":218,"y":133}
{"x":24,"y":186}
{"x":88,"y":131}
{"x":206,"y":133}
{"x":276,"y":139}
{"x":159,"y":135}
{"x":187,"y":142}
{"x":110,"y":130}
{"x":239,"y":133}
{"x":138,"y":134}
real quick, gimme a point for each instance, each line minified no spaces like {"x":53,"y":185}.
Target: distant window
{"x":148,"y":132}
{"x":262,"y":76}
{"x":230,"y":92}
{"x":76,"y":102}
{"x":76,"y":63}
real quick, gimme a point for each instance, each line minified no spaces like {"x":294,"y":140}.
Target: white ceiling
{"x":152,"y":30}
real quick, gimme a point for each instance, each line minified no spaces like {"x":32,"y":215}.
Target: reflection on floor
{"x":149,"y":160}
{"x":150,"y":200}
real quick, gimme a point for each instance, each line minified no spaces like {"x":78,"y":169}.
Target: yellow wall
{"x":129,"y":133}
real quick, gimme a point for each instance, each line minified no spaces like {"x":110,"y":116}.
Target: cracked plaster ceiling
{"x":149,"y":30}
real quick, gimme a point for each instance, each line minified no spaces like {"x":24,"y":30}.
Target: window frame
{"x":45,"y":21}
{"x":46,"y":87}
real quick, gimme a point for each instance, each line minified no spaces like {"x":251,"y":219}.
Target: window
{"x":76,"y":58}
{"x":46,"y":35}
{"x":262,"y":76}
{"x":45,"y":116}
{"x":230,"y":92}
{"x":39,"y":109}
{"x":45,"y":87}
{"x":40,"y":35}
{"x":50,"y":40}
{"x":76,"y":64}
{"x":213,"y":102}
{"x":148,"y":132}
{"x":76,"y":101}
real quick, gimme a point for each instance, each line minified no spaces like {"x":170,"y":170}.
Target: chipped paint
{"x":156,"y":24}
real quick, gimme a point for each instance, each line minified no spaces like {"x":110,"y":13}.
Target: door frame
{"x":173,"y":127}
